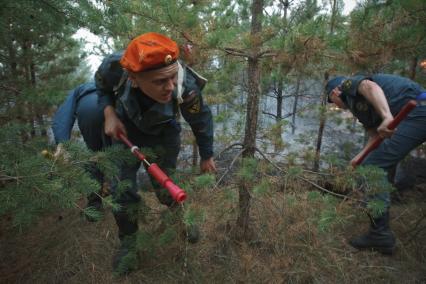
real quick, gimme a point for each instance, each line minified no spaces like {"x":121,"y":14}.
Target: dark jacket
{"x":150,"y":117}
{"x":398,"y":91}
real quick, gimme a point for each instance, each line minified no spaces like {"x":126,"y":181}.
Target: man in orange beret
{"x":141,"y":92}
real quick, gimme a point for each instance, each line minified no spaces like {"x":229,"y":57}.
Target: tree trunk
{"x":413,"y":65}
{"x":333,"y":15}
{"x":194,"y":153}
{"x":253,"y":76}
{"x":37,"y":113}
{"x":323,"y":118}
{"x":12,"y":56}
{"x":296,"y":98}
{"x":279,"y":99}
{"x":28,"y":108}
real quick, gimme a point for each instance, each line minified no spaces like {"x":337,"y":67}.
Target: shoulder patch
{"x":194,"y":105}
{"x":346,"y":85}
{"x":361,"y":106}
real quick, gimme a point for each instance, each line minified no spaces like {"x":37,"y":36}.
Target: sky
{"x":349,"y":6}
{"x":92,"y":40}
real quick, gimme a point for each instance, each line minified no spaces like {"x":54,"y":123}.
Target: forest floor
{"x":298,"y":235}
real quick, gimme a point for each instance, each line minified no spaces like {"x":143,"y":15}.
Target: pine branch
{"x":235,"y":52}
{"x":267,"y":53}
{"x":9,"y":88}
{"x":174,"y":27}
{"x":270,"y":114}
{"x":288,"y":114}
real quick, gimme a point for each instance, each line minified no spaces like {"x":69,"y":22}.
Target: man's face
{"x":335,"y":97}
{"x":157,"y":84}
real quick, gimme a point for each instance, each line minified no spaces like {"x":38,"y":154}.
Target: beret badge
{"x":168,"y":59}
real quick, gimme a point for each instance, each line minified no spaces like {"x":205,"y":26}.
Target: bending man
{"x":375,"y":100}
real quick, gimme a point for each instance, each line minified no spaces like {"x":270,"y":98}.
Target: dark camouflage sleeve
{"x":198,"y":115}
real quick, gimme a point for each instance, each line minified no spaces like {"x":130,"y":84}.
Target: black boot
{"x":125,"y":259}
{"x":192,"y":233}
{"x":189,"y":231}
{"x":93,"y":210}
{"x":379,"y":238}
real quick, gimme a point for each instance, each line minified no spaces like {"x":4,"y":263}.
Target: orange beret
{"x":148,"y":52}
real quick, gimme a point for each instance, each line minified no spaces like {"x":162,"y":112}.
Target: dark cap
{"x":333,"y":83}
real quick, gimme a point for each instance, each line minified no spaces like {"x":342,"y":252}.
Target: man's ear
{"x":132,"y":78}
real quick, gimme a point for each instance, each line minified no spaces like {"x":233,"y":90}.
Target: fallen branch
{"x":229,"y":168}
{"x":229,"y":147}
{"x":308,"y":181}
{"x":416,"y":228}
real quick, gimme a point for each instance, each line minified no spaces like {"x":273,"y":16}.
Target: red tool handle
{"x":175,"y":191}
{"x":178,"y":194}
{"x":409,"y":106}
{"x":134,"y":149}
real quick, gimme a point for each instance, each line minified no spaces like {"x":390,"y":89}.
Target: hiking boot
{"x":125,"y":259}
{"x":379,"y":237}
{"x":93,"y":210}
{"x":189,"y":231}
{"x":192,"y":233}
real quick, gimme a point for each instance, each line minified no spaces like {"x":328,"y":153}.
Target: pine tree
{"x":39,"y":61}
{"x":387,"y":37}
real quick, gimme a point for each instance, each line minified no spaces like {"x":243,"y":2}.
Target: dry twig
{"x":229,"y":168}
{"x":306,"y":180}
